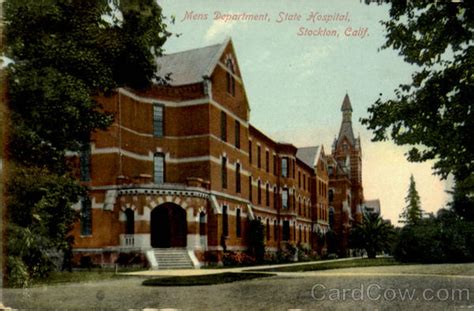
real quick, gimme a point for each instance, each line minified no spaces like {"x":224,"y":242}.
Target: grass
{"x":364,"y":262}
{"x":209,"y":279}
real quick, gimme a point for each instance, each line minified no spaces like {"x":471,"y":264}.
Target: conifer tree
{"x":412,"y":213}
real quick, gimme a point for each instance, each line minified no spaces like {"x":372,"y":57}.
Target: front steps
{"x":171,"y":258}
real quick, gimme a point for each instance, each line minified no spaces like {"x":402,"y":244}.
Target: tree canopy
{"x":64,"y":55}
{"x":433,"y":113}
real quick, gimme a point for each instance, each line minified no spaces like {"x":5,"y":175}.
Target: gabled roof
{"x":191,"y":66}
{"x":308,"y":155}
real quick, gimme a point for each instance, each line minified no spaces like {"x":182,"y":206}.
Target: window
{"x":225,"y":221}
{"x":275,"y":198}
{"x":299,"y":179}
{"x":304,"y":181}
{"x":267,"y":195}
{"x":238,"y":224}
{"x":85,"y":161}
{"x":299,"y":205}
{"x":130,"y":221}
{"x":224,"y":173}
{"x":237,"y":177}
{"x":250,"y":151}
{"x":202,"y":223}
{"x":250,"y":189}
{"x":293,"y":164}
{"x":158,"y":118}
{"x":159,"y":168}
{"x":223,"y":126}
{"x":230,"y":77}
{"x":299,"y":237}
{"x":267,"y":229}
{"x":274,"y":164}
{"x":259,"y":157}
{"x":286,"y":230}
{"x":237,"y":134}
{"x":331,"y":196}
{"x":267,"y":160}
{"x":275,"y":230}
{"x":259,"y":192}
{"x":86,"y":216}
{"x":331,"y":217}
{"x":284,"y":199}
{"x":284,"y":167}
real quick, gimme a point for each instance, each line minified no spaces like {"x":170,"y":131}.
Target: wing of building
{"x":182,"y":169}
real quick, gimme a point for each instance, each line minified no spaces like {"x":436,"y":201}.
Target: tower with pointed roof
{"x":348,"y":153}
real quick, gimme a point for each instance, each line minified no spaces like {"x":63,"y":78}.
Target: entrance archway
{"x":168,"y":226}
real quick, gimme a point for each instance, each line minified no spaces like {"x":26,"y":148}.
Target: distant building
{"x":372,"y":206}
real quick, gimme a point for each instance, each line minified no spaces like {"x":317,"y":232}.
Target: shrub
{"x":446,"y":238}
{"x":238,"y":259}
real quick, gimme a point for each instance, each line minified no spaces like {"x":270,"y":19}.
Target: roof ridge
{"x":190,"y":50}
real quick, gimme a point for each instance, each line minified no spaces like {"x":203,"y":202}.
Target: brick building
{"x":181,"y":168}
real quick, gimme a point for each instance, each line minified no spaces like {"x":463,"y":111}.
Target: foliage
{"x":434,"y":112}
{"x":332,"y":242}
{"x":64,"y":54}
{"x":38,"y":221}
{"x":412,"y":213}
{"x":237,"y":259}
{"x":463,"y":198}
{"x":446,"y":238}
{"x":372,"y":234}
{"x":256,"y":240}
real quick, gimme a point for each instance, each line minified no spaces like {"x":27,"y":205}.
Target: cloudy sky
{"x":295,"y":83}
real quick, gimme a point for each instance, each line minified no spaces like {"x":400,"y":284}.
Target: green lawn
{"x":364,"y":262}
{"x":209,"y":279}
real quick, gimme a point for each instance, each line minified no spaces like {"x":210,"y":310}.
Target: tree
{"x":65,"y":54}
{"x":445,"y":238}
{"x":434,"y":113}
{"x":372,"y":234}
{"x":412,"y":213}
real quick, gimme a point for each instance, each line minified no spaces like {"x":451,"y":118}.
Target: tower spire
{"x":346,"y":125}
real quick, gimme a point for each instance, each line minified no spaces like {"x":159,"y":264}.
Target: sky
{"x":295,"y":82}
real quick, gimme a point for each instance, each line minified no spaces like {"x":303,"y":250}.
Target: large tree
{"x":64,"y":54}
{"x":433,"y":113}
{"x":412,"y":212}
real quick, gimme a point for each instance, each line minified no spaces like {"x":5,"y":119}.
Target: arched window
{"x":130,"y":221}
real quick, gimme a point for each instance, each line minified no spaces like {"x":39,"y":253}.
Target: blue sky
{"x":296,"y":84}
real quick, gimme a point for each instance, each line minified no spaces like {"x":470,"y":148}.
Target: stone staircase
{"x":172,"y":258}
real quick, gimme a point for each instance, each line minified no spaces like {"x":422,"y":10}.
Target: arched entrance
{"x":168,"y":226}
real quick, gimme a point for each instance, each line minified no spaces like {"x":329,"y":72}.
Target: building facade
{"x":181,"y":167}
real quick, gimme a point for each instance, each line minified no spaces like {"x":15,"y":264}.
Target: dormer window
{"x":230,"y":76}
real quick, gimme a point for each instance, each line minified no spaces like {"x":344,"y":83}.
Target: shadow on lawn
{"x":208,"y":279}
